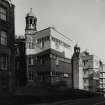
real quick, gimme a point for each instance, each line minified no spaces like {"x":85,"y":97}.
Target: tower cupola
{"x":31,"y":21}
{"x":76,"y":50}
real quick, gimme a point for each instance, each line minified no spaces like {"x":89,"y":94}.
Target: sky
{"x":83,"y":21}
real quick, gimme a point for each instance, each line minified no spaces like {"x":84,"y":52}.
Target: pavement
{"x":88,"y":101}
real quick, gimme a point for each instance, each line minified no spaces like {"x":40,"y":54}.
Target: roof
{"x":51,"y":31}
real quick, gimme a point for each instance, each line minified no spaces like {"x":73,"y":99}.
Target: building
{"x":48,"y":54}
{"x":86,"y":69}
{"x":7,"y":38}
{"x":20,"y":62}
{"x":102,"y":79}
{"x":77,"y":69}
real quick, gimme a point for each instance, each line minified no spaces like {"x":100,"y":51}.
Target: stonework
{"x":86,"y":69}
{"x":7,"y":36}
{"x":48,"y":54}
{"x":20,"y":62}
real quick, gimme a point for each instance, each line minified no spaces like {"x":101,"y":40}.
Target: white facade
{"x":48,"y":39}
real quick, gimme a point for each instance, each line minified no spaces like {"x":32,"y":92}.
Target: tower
{"x":77,"y":69}
{"x":31,"y":21}
{"x":30,"y":41}
{"x":30,"y":30}
{"x":76,"y":50}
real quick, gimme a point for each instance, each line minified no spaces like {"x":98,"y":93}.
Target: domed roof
{"x":30,"y":13}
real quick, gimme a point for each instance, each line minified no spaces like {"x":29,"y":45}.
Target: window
{"x":17,"y":65}
{"x":17,"y":52}
{"x":31,"y":75}
{"x":101,"y":75}
{"x":27,"y":45}
{"x":2,"y":13}
{"x":101,"y":80}
{"x":3,"y":38}
{"x":51,"y":56}
{"x":30,"y":60}
{"x":66,"y":75}
{"x":30,"y":21}
{"x":47,"y":38}
{"x":3,"y":62}
{"x":57,"y":62}
{"x":42,"y":44}
{"x":30,"y":45}
{"x":85,"y":62}
{"x":57,"y":45}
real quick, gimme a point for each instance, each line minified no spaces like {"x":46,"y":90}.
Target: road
{"x":89,"y":101}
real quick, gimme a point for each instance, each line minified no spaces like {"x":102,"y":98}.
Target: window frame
{"x":3,"y":62}
{"x":30,"y":60}
{"x":3,"y":38}
{"x":30,"y":75}
{"x":3,"y":13}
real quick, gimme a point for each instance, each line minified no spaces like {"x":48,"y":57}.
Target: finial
{"x":76,"y":45}
{"x":30,"y":13}
{"x":31,"y":10}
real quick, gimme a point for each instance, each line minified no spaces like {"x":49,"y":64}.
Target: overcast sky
{"x":81,"y":20}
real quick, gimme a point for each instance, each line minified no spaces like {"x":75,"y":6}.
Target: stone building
{"x":20,"y":62}
{"x":102,"y":79}
{"x":7,"y":37}
{"x":48,"y":54}
{"x":86,"y":69}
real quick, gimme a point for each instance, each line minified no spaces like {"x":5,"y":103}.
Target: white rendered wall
{"x":39,"y":47}
{"x":50,"y":44}
{"x":67,"y":51}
